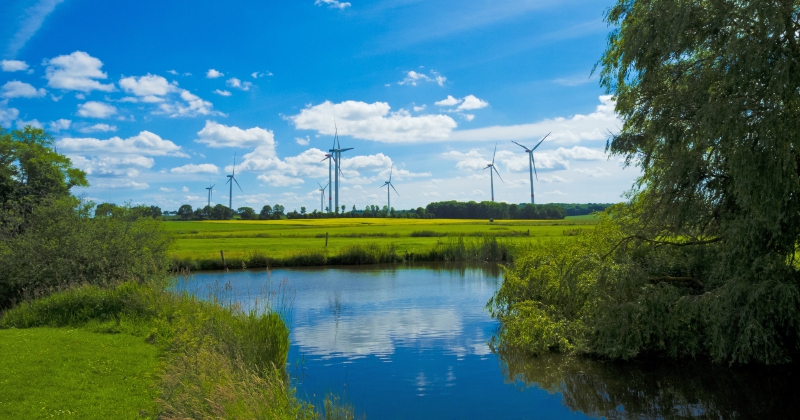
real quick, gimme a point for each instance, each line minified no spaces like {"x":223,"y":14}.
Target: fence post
{"x":326,"y":239}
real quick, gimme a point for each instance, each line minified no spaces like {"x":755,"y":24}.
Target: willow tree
{"x":701,"y":261}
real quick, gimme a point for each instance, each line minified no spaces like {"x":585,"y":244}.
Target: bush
{"x":62,"y":246}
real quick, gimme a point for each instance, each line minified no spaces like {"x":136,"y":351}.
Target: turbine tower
{"x":491,"y":168}
{"x":329,"y":158}
{"x":211,"y":188}
{"x":388,"y":184}
{"x":321,"y":197}
{"x":231,"y":180}
{"x":531,"y":162}
{"x":336,"y":152}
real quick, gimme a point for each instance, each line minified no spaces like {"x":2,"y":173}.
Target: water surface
{"x":411,"y":342}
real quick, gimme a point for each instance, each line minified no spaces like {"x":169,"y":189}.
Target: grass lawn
{"x":283,"y":238}
{"x":62,"y":372}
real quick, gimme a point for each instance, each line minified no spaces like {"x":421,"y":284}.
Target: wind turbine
{"x":491,"y":168}
{"x":209,"y":194}
{"x":531,"y":162}
{"x":337,"y":157}
{"x":329,"y":158}
{"x":231,"y":180}
{"x":388,"y":184}
{"x":321,"y":197}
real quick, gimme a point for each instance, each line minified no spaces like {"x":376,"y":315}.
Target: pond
{"x":411,"y":341}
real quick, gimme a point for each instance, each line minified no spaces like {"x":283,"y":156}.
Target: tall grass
{"x":461,"y":248}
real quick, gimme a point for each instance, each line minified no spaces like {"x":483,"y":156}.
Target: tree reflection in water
{"x":659,"y":389}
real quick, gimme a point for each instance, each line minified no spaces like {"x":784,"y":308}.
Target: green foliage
{"x":247,"y":213}
{"x":494,"y":210}
{"x":62,"y":246}
{"x":266,"y":213}
{"x":185,"y":212}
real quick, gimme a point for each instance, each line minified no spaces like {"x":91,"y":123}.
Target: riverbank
{"x":216,"y":361}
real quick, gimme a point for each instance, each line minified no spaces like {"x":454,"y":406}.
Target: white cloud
{"x":468,"y":117}
{"x":471,"y":102}
{"x":174,"y":73}
{"x":8,"y":115}
{"x":238,"y":84}
{"x":373,"y":122}
{"x":279,"y":180}
{"x":414,"y":78}
{"x":17,"y":89}
{"x":144,"y":144}
{"x":76,"y":71}
{"x":147,"y":86}
{"x":60,"y":124}
{"x":94,"y":109}
{"x":553,"y":179}
{"x":592,"y":127}
{"x":222,"y":92}
{"x":582,"y":153}
{"x":203,"y":168}
{"x":217,"y":135}
{"x":185,"y":189}
{"x":448,"y":101}
{"x":127,"y":185}
{"x":33,"y":123}
{"x":596,"y":172}
{"x":29,"y":23}
{"x":193,"y":107}
{"x":98,"y":128}
{"x":114,"y":166}
{"x":302,"y":141}
{"x":333,"y":4}
{"x":213,"y":74}
{"x":256,"y":75}
{"x":164,"y":189}
{"x":13,"y":65}
{"x":419,"y":108}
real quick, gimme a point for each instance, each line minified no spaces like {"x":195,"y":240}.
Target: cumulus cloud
{"x":33,"y":123}
{"x":471,"y":102}
{"x":595,"y":172}
{"x":17,"y":89}
{"x":333,"y":4}
{"x":222,"y":92}
{"x":144,"y":144}
{"x":590,"y":127}
{"x":203,"y":168}
{"x":582,"y":153}
{"x":7,"y":115}
{"x":256,"y":75}
{"x":302,"y":141}
{"x":119,"y":166}
{"x":60,"y":124}
{"x":279,"y":180}
{"x":146,"y":86}
{"x":373,"y":121}
{"x":213,"y":74}
{"x":414,"y":78}
{"x":238,"y":84}
{"x":94,"y":109}
{"x":192,"y":106}
{"x":218,"y":135}
{"x":448,"y":101}
{"x":104,"y":128}
{"x":77,"y":71}
{"x":13,"y":65}
{"x":120,"y":184}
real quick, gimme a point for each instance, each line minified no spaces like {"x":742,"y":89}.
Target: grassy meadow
{"x":287,"y":239}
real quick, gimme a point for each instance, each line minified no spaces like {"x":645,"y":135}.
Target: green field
{"x":284,"y":238}
{"x":61,"y":372}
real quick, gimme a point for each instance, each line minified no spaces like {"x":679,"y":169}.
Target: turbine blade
{"x":320,"y":185}
{"x":495,"y":152}
{"x":395,"y":190}
{"x":498,"y":174}
{"x":540,"y":141}
{"x":237,"y":184}
{"x":390,"y":172}
{"x":534,"y":167}
{"x":526,"y":149}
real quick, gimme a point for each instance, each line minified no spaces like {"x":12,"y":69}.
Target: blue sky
{"x":153,"y":98}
